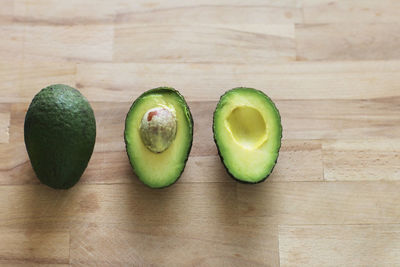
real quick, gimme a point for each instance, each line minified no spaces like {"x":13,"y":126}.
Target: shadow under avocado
{"x":43,"y":212}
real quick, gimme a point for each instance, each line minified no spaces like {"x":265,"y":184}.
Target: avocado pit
{"x":158,"y":128}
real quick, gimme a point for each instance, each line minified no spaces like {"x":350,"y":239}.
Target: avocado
{"x":158,"y":136}
{"x":247,"y":131}
{"x":59,"y":132}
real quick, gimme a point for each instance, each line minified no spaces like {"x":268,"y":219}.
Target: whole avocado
{"x":60,"y":133}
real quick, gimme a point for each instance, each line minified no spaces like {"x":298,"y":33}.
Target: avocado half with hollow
{"x":60,"y":133}
{"x":247,"y":131}
{"x":158,"y":136}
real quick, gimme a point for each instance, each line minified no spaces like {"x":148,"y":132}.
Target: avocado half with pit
{"x":60,"y":133}
{"x":247,"y":131}
{"x":158,"y":136}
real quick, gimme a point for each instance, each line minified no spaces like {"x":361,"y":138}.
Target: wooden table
{"x":333,"y":69}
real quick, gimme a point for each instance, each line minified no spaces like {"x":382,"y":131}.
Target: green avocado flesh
{"x":247,"y":131}
{"x":60,"y":133}
{"x":158,"y":136}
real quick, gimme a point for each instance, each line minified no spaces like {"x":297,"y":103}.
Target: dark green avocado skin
{"x":60,"y":133}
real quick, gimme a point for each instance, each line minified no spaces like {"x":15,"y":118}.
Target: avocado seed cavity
{"x":247,"y":127}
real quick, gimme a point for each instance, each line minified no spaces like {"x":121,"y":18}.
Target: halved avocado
{"x":158,"y":136}
{"x":247,"y":131}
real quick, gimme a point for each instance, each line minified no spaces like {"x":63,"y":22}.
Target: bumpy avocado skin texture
{"x":188,"y":115}
{"x":60,"y":133}
{"x":216,"y":143}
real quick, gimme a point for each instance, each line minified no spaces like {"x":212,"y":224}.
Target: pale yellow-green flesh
{"x":247,"y":127}
{"x":248,"y":133}
{"x":158,"y":169}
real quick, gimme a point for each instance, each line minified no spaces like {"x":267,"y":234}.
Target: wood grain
{"x":178,"y":245}
{"x":340,"y":119}
{"x":331,"y":67}
{"x":32,"y":264}
{"x":318,"y":203}
{"x":299,"y":160}
{"x":204,"y":44}
{"x":362,"y":159}
{"x":74,"y":13}
{"x":7,"y":11}
{"x":41,"y":247}
{"x":204,"y":82}
{"x":353,"y":11}
{"x":339,"y":245}
{"x":348,"y":41}
{"x":4,"y":126}
{"x":124,"y":204}
{"x":15,"y":167}
{"x":61,"y":42}
{"x":166,"y":12}
{"x":21,"y":80}
{"x":206,"y":11}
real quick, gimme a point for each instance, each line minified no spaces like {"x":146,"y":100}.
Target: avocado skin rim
{"x":188,"y":113}
{"x":219,"y":152}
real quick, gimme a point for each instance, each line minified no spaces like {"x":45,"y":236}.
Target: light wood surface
{"x":333,"y":70}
